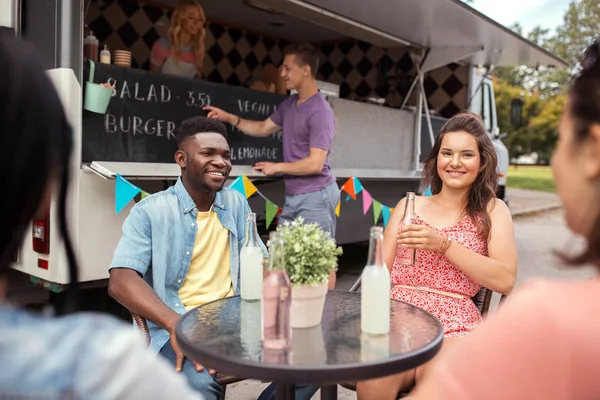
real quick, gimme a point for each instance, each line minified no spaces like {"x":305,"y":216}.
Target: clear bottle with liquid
{"x":375,"y":289}
{"x":251,"y":262}
{"x":105,"y":55}
{"x":408,"y":256}
{"x":276,"y":299}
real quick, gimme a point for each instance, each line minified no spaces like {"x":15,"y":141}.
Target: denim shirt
{"x":81,"y":356}
{"x":158,"y":240}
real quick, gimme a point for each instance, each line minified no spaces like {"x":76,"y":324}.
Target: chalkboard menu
{"x":147,"y":108}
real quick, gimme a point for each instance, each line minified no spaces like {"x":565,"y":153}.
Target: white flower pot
{"x":308,"y":302}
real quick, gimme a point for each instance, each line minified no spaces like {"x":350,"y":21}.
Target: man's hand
{"x":268,"y":168}
{"x":419,"y":237}
{"x":217,"y":113}
{"x":179,"y":357}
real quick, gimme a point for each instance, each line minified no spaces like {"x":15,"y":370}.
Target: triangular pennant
{"x":144,"y":194}
{"x":337,"y":209}
{"x":385,"y":211}
{"x":367,"y":201}
{"x":428,"y":191}
{"x":238,"y":184}
{"x":124,"y":193}
{"x":348,"y":187}
{"x":279,"y":210}
{"x":376,"y":211}
{"x":249,"y":187}
{"x":392,"y":210}
{"x":357,"y":186}
{"x":348,"y":197}
{"x":271,"y":210}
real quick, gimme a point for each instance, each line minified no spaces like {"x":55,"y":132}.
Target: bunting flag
{"x":271,"y":210}
{"x":376,"y":211}
{"x":124,"y":193}
{"x":367,"y":201}
{"x":348,"y":187}
{"x":385,"y":211}
{"x":428,"y":191}
{"x":357,"y":185}
{"x":249,"y":188}
{"x":238,"y":184}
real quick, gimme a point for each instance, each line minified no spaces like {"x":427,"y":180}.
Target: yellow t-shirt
{"x":209,"y":277}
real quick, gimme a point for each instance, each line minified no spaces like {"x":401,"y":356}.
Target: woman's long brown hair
{"x":197,"y":41}
{"x":483,"y":190}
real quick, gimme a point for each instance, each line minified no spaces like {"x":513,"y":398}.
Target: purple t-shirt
{"x":305,"y":126}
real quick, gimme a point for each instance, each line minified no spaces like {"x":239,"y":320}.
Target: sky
{"x":529,"y":13}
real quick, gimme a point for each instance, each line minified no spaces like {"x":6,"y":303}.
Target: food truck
{"x":393,"y":71}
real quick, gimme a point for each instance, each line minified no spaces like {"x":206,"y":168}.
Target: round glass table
{"x":226,"y":335}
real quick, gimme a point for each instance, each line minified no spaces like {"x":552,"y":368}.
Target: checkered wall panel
{"x":236,"y":57}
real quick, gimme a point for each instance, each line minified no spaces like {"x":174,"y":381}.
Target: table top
{"x":226,"y":335}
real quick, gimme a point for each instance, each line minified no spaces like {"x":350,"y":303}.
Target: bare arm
{"x":129,"y":289}
{"x":390,"y":244}
{"x":311,"y":165}
{"x":252,"y":128}
{"x":497,"y":271}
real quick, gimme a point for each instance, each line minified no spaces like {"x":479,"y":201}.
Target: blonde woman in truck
{"x":182,"y":53}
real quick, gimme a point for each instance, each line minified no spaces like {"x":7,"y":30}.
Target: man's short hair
{"x":307,"y":55}
{"x":195,"y":125}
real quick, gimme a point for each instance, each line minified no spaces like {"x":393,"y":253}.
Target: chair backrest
{"x":482,"y":299}
{"x":142,"y":325}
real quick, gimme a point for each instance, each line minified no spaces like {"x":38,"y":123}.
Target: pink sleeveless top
{"x":458,"y":316}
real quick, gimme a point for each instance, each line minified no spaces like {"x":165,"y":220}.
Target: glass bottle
{"x":276,"y":300}
{"x":251,"y":262}
{"x":375,"y":289}
{"x":408,"y":256}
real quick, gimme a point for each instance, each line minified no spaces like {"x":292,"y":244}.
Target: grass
{"x":531,"y":177}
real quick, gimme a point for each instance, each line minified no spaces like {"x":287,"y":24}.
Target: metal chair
{"x":482,"y":300}
{"x":222,"y":379}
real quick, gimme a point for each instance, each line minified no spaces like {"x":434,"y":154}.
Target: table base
{"x":286,"y":391}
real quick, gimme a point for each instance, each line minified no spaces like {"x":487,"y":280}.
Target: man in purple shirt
{"x":308,"y":127}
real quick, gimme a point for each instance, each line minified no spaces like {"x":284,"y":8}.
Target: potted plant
{"x":309,"y":254}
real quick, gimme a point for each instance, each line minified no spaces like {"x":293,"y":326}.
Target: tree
{"x":544,"y":127}
{"x":579,"y":30}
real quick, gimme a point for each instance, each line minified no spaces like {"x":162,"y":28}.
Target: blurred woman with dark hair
{"x":544,"y":342}
{"x":464,"y":239}
{"x":78,"y":356}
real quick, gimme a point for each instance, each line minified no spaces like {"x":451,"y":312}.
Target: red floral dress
{"x":457,"y":316}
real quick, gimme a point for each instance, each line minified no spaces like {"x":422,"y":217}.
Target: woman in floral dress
{"x":463,"y":237}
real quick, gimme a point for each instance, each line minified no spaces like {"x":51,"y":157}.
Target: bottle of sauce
{"x":90,"y":47}
{"x":408,"y":256}
{"x":251,"y":262}
{"x":105,"y":55}
{"x":376,"y":284}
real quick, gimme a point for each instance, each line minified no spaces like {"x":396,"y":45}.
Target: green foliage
{"x":310,"y":253}
{"x":542,"y":89}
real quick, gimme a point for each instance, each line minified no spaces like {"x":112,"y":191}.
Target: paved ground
{"x":523,"y":201}
{"x":538,"y":235}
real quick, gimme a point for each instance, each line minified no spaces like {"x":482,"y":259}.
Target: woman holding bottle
{"x":543,"y":342}
{"x":183,"y":52}
{"x":462,"y":239}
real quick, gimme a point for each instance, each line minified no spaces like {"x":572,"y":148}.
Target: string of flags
{"x":125,"y":191}
{"x":352,"y":187}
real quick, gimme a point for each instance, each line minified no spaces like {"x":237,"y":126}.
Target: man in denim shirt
{"x":180,"y":247}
